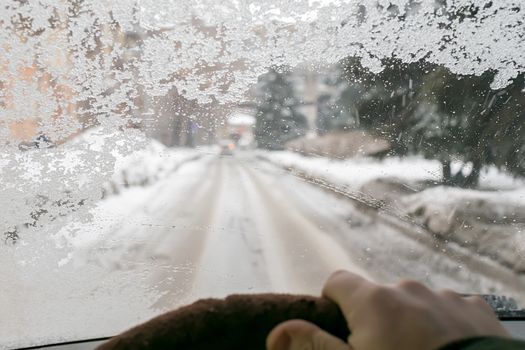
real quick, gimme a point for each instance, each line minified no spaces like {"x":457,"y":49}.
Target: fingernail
{"x":282,"y":342}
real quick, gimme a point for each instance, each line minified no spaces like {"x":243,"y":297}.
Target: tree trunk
{"x":473,"y":178}
{"x":177,"y":130}
{"x":447,"y":173}
{"x":190,"y":137}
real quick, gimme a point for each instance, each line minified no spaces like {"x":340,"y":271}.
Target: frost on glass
{"x":71,"y":66}
{"x":66,"y":67}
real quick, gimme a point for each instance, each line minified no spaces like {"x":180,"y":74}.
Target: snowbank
{"x":42,"y":187}
{"x":48,"y":271}
{"x":355,"y":172}
{"x":490,"y":222}
{"x":138,"y":161}
{"x":147,"y":166}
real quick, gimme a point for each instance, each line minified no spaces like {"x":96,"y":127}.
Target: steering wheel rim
{"x":239,"y":321}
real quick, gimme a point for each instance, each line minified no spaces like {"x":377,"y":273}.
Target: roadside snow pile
{"x":138,"y":161}
{"x":42,"y":187}
{"x":355,"y":172}
{"x":490,"y":220}
{"x":147,"y":166}
{"x":492,"y":223}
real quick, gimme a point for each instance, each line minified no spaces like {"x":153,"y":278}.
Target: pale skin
{"x":406,"y":316}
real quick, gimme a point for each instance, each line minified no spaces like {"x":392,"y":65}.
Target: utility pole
{"x":310,"y":101}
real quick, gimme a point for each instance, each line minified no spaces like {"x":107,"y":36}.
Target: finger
{"x":299,"y":334}
{"x":451,"y":295}
{"x":342,"y":286}
{"x":480,"y":303}
{"x":413,"y":287}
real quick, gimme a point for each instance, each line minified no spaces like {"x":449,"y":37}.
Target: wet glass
{"x":156,"y":152}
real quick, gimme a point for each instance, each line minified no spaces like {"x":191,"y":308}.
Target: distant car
{"x":227,"y":148}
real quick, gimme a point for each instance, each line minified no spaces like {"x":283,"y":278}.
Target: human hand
{"x":406,"y":316}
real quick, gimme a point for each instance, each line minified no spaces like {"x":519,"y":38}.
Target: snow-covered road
{"x":211,"y":227}
{"x":222,"y":225}
{"x":230,"y":225}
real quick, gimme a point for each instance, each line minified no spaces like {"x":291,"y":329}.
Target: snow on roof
{"x":241,"y":119}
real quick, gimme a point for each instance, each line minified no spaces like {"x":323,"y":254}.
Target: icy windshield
{"x":155,"y":152}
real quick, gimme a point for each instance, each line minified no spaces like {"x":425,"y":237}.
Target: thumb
{"x":302,"y":335}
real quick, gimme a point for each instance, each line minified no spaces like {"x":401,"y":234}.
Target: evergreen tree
{"x":277,"y":118}
{"x":331,"y":112}
{"x":384,"y":103}
{"x":425,"y":109}
{"x":508,"y":142}
{"x":470,"y":122}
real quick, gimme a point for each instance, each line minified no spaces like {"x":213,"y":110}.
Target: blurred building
{"x":172,"y":119}
{"x":239,"y":128}
{"x":24,"y":116}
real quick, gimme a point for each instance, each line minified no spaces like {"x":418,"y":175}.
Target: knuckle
{"x":449,"y":294}
{"x":378,"y":294}
{"x":338,"y":275}
{"x":338,"y":280}
{"x":478,"y":301}
{"x":318,"y":343}
{"x":411,"y":285}
{"x":418,"y":309}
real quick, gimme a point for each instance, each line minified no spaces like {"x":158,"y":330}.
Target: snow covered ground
{"x":490,"y":220}
{"x":143,"y":166}
{"x":41,"y":187}
{"x":355,"y":172}
{"x":43,"y":275}
{"x":212,"y":227}
{"x":148,"y":165}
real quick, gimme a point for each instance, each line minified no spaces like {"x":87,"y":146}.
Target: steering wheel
{"x":236,"y":322}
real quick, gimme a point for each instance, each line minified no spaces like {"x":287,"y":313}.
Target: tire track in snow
{"x":298,"y":253}
{"x":180,"y":249}
{"x":491,"y":276}
{"x":232,"y":260}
